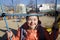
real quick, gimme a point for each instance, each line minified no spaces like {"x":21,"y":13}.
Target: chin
{"x":32,"y":26}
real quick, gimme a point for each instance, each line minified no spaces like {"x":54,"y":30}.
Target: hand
{"x":9,"y":34}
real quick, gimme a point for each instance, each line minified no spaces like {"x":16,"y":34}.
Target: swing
{"x":4,"y":17}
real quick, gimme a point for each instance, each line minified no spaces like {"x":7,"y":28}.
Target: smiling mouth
{"x":32,"y":24}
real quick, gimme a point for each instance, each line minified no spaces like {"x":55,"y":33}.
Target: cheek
{"x":29,"y":22}
{"x":36,"y":22}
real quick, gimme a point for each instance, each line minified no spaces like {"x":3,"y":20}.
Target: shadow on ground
{"x":4,"y":37}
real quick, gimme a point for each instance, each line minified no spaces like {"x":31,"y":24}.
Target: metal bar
{"x":55,"y":11}
{"x":55,"y":20}
{"x":2,"y":6}
{"x":23,"y":14}
{"x":21,"y":34}
{"x":36,"y":7}
{"x":13,"y":7}
{"x":7,"y":25}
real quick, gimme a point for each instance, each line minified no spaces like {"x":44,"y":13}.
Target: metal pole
{"x":55,"y":24}
{"x":36,"y":7}
{"x":55,"y":11}
{"x":7,"y":25}
{"x":4,"y":16}
{"x":12,"y":7}
{"x":12,"y":3}
{"x":2,"y":6}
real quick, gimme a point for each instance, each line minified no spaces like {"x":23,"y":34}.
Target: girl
{"x":32,"y":30}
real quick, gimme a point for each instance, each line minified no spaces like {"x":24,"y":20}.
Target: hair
{"x":31,"y":12}
{"x":24,"y":26}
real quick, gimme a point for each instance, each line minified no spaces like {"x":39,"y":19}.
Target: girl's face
{"x":32,"y":21}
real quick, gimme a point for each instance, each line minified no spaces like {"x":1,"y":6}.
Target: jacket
{"x":37,"y":34}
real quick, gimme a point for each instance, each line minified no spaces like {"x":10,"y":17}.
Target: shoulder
{"x":24,"y":26}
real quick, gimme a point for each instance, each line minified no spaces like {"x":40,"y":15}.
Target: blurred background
{"x":51,"y":9}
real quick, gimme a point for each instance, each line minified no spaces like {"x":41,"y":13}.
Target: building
{"x":21,"y":8}
{"x":48,"y":7}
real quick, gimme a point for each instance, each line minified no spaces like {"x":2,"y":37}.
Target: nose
{"x":32,"y":21}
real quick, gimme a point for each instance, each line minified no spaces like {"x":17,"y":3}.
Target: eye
{"x":29,"y":19}
{"x":35,"y":19}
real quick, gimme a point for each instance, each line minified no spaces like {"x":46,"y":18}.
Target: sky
{"x":9,"y":2}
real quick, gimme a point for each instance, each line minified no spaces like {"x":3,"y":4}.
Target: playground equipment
{"x":4,"y":17}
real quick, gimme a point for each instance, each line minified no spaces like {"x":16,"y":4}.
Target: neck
{"x":33,"y":28}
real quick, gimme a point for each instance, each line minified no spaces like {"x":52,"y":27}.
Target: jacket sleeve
{"x":54,"y":34}
{"x":17,"y":36}
{"x":46,"y":34}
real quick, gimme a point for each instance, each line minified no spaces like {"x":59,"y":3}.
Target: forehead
{"x":32,"y":17}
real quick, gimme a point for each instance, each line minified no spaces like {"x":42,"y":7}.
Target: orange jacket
{"x":33,"y":34}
